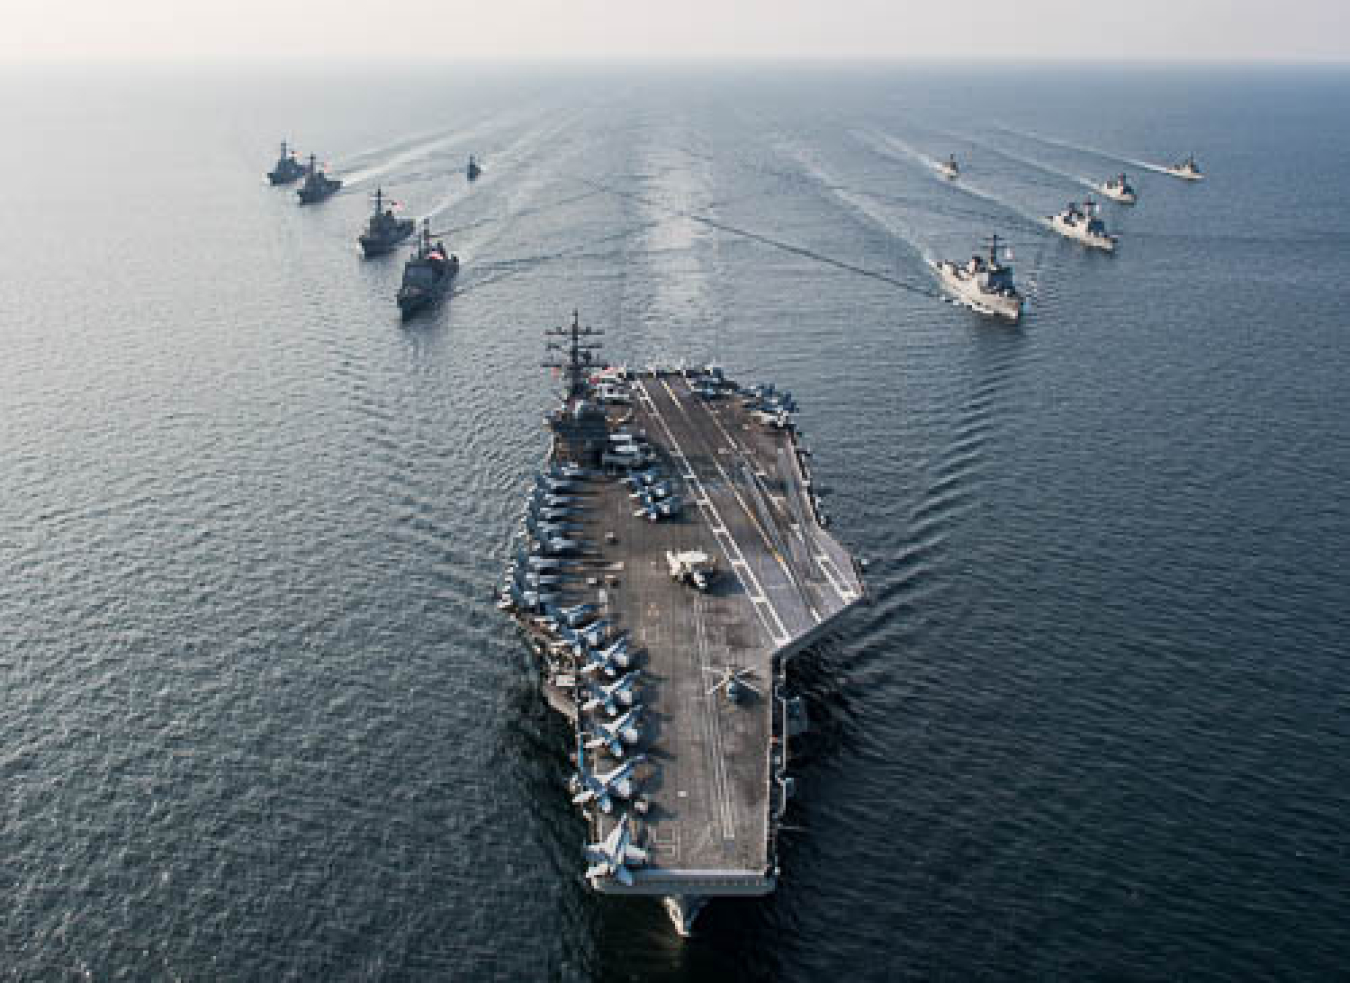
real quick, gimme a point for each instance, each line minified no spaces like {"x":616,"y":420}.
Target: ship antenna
{"x":577,"y":352}
{"x":993,"y":249}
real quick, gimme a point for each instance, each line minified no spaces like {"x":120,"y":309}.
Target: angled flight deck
{"x":647,"y":466}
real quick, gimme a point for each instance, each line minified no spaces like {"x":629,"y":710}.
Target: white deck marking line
{"x":713,"y":726}
{"x":763,"y":533}
{"x":831,"y":571}
{"x":750,"y":462}
{"x":746,"y":576}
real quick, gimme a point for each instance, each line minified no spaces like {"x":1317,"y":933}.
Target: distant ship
{"x":1119,"y":189}
{"x":950,"y":168}
{"x":473,"y":170}
{"x":985,"y":284}
{"x":1081,"y":224}
{"x":427,"y":275}
{"x":1187,"y":170}
{"x":317,"y":186}
{"x":287,"y":168}
{"x":384,"y":230}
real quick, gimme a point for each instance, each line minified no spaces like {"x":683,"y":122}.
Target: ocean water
{"x":259,"y":719}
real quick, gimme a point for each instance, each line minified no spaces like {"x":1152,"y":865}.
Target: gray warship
{"x":287,"y":169}
{"x":1082,"y":224}
{"x":1119,"y":189}
{"x":671,"y":560}
{"x":1187,"y":170}
{"x":473,"y":170}
{"x":986,"y":285}
{"x":384,"y":231}
{"x":318,"y":185}
{"x":427,"y":275}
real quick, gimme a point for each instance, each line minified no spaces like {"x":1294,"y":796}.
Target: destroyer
{"x":384,"y":230}
{"x":318,"y":185}
{"x":287,"y":169}
{"x":1187,"y":170}
{"x":1119,"y":189}
{"x":985,"y":284}
{"x":1082,"y":224}
{"x":427,"y":275}
{"x":949,"y":167}
{"x":671,"y":559}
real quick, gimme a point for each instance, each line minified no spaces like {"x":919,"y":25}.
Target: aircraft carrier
{"x":672,"y":557}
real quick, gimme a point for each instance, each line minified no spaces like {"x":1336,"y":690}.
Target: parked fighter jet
{"x":653,"y":509}
{"x":557,"y":546}
{"x":575,"y":616}
{"x":779,"y":419}
{"x":554,"y":486}
{"x":603,"y":789}
{"x":612,"y":661}
{"x":614,"y":734}
{"x":612,"y":855}
{"x":611,"y":696}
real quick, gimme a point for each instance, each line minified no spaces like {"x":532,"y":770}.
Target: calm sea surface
{"x":259,"y":719}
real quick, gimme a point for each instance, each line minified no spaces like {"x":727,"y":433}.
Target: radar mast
{"x":575,"y":351}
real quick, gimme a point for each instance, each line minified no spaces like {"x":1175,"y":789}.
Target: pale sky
{"x":446,"y":30}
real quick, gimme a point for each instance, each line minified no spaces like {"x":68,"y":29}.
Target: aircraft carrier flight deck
{"x":672,"y":558}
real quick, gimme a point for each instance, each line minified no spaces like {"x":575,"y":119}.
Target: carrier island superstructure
{"x":671,"y":559}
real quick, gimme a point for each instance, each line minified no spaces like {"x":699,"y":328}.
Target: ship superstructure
{"x":986,"y":285}
{"x":671,"y":559}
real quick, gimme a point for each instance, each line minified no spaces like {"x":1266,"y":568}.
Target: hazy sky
{"x":62,"y":30}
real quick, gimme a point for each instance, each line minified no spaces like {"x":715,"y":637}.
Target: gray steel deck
{"x":782,"y":579}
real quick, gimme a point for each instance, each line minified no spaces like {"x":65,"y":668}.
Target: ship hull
{"x":378,"y":247}
{"x":312,"y":196}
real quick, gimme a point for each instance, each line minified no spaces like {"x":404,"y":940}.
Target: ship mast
{"x":993,"y":250}
{"x":577,"y":352}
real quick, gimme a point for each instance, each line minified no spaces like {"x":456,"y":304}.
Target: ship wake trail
{"x":1086,"y":149}
{"x":1038,"y":165}
{"x":495,"y":272}
{"x":954,"y":480}
{"x":509,"y":160}
{"x":897,"y":149}
{"x":862,"y":204}
{"x":779,"y":244}
{"x":408,"y":152}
